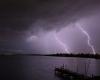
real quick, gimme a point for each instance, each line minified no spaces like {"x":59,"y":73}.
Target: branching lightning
{"x":88,"y":38}
{"x":61,"y":43}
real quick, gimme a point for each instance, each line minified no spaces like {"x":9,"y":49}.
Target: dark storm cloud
{"x":21,"y":15}
{"x":58,"y":13}
{"x":20,"y":18}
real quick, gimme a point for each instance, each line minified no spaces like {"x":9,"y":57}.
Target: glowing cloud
{"x":31,"y":38}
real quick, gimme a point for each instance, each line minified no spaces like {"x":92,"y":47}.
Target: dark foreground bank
{"x":66,"y":74}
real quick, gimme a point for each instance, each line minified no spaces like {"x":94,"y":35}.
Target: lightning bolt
{"x":61,"y":43}
{"x":88,"y":38}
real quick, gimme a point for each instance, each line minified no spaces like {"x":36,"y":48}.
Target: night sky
{"x":31,"y":25}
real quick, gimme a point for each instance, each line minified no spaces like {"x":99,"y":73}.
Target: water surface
{"x":42,"y":67}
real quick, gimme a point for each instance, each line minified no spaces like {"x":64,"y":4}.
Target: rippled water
{"x":42,"y":67}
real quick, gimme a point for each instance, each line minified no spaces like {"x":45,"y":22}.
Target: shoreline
{"x":76,"y":55}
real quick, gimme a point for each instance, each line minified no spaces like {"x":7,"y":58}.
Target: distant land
{"x":16,"y":53}
{"x":79,"y":55}
{"x":82,"y":55}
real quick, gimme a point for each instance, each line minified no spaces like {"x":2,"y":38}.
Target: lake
{"x":42,"y":67}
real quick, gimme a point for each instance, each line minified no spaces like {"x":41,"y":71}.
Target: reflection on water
{"x":42,"y":67}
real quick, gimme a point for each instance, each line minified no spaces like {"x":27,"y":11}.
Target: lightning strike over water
{"x":61,"y":43}
{"x":88,"y":37}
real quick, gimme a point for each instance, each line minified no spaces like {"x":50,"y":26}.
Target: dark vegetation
{"x":82,"y":55}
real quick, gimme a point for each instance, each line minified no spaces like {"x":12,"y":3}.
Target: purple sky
{"x":30,"y":25}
